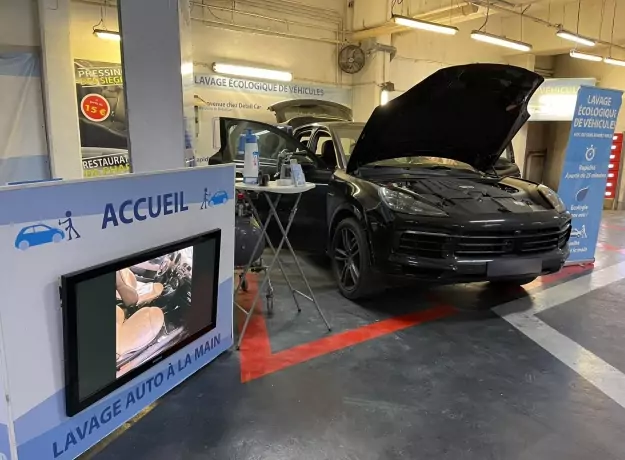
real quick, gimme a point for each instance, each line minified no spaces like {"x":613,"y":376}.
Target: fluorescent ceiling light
{"x":585,"y":56}
{"x":107,"y":34}
{"x":425,"y":25}
{"x":252,"y":72}
{"x":384,"y":97}
{"x":500,"y":41}
{"x":613,"y":61}
{"x":575,"y":38}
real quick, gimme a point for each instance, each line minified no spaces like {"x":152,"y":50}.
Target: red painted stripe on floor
{"x":255,"y":347}
{"x":323,"y":346}
{"x":613,"y":226}
{"x":609,"y":247}
{"x":258,"y":361}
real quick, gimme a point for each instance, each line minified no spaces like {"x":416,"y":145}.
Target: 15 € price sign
{"x":95,"y":107}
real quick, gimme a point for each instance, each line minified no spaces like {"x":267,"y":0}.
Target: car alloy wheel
{"x":351,"y":261}
{"x":347,"y":257}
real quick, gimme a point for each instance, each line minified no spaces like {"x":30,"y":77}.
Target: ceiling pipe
{"x":261,"y":31}
{"x":460,"y":14}
{"x":288,"y":6}
{"x":269,"y":18}
{"x":454,"y":14}
{"x":537,"y":20}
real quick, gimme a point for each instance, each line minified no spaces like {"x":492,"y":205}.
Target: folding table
{"x":275,"y":191}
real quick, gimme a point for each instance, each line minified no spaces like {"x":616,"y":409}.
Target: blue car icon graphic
{"x":220,"y":197}
{"x":36,"y":235}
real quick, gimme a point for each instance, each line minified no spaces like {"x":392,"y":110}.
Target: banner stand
{"x":586,"y":165}
{"x":56,"y":228}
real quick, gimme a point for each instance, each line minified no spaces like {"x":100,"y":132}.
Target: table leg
{"x":273,"y":249}
{"x":263,"y":236}
{"x":285,"y":237}
{"x":273,"y":262}
{"x":251,"y":261}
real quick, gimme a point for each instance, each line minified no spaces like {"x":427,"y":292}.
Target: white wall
{"x":309,"y":60}
{"x":544,"y":39}
{"x":23,"y":147}
{"x":18,"y":23}
{"x":85,"y":45}
{"x":608,"y":76}
{"x":419,"y":54}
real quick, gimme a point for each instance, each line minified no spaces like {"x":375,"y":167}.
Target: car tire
{"x":57,"y":238}
{"x":515,"y":281}
{"x":24,"y":245}
{"x":351,"y":261}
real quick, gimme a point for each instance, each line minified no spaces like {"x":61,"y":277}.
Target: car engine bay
{"x":467,"y":196}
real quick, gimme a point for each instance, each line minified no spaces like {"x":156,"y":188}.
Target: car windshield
{"x":347,"y":136}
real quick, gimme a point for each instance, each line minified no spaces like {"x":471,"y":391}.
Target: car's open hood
{"x":468,"y":113}
{"x":298,"y":112}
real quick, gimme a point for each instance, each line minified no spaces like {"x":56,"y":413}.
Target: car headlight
{"x":402,"y":202}
{"x":552,"y":197}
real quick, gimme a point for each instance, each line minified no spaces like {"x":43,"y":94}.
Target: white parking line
{"x":602,"y":375}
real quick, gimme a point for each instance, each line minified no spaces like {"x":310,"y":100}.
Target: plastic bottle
{"x":250,"y":168}
{"x":241,"y":147}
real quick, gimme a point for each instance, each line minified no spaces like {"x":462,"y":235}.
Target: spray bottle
{"x":241,"y":147}
{"x":250,"y":168}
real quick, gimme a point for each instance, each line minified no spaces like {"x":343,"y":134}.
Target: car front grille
{"x":483,"y":243}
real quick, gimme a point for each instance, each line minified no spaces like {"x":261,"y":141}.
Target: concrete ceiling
{"x":534,"y":21}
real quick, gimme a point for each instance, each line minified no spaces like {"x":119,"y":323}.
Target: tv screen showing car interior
{"x":122,"y":317}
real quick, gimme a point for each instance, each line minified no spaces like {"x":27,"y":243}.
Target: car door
{"x":271,"y":141}
{"x":311,"y":216}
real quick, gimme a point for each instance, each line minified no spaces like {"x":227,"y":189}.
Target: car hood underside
{"x":468,"y":113}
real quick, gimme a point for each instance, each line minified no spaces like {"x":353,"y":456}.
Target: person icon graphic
{"x":206,"y":201}
{"x":71,"y":231}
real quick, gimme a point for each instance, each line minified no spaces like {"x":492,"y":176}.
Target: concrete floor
{"x":435,"y":374}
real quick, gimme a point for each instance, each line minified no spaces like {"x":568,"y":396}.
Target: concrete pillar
{"x":59,"y":90}
{"x":157,"y":67}
{"x":519,"y":143}
{"x":367,"y":86}
{"x":367,"y":83}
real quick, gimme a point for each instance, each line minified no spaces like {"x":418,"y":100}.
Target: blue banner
{"x":585,"y":170}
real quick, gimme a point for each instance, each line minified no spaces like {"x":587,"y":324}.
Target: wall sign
{"x":220,"y":96}
{"x":586,"y":165}
{"x":102,"y":118}
{"x":282,"y":91}
{"x":555,"y":99}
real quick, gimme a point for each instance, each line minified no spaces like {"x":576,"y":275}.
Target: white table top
{"x":273,"y":187}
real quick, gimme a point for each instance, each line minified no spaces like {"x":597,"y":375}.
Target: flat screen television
{"x":122,"y":317}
